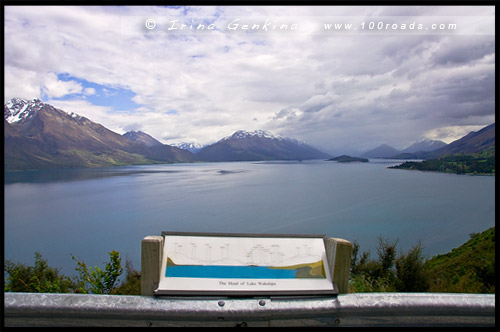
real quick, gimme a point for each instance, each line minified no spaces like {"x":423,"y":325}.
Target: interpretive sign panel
{"x":244,"y":264}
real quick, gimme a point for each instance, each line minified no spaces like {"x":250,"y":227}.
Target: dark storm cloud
{"x":461,"y":51}
{"x":389,"y":84}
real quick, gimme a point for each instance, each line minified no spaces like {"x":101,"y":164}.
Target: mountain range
{"x":473,"y":142}
{"x":427,"y":149}
{"x":425,"y":144}
{"x":472,"y":154}
{"x":414,"y":151}
{"x":258,"y":145}
{"x":40,"y":136}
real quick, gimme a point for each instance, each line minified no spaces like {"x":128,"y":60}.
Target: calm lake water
{"x":89,"y":212}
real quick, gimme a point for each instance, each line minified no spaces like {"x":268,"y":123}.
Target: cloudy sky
{"x":387,"y":75}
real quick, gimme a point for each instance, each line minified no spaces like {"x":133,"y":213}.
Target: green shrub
{"x":132,"y":283}
{"x":411,"y":274}
{"x":406,"y":273}
{"x":41,"y":278}
{"x":37,"y":279}
{"x":97,"y":281}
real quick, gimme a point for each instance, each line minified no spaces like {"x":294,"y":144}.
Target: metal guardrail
{"x":360,"y":309}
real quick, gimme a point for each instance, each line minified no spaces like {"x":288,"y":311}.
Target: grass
{"x":469,"y":268}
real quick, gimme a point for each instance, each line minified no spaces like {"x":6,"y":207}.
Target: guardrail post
{"x":338,"y":253}
{"x":151,"y":256}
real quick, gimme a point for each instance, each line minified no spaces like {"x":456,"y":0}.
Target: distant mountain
{"x":191,"y":147}
{"x":40,"y":136}
{"x":471,"y":154}
{"x":418,"y":150}
{"x":382,"y":151}
{"x":142,"y":137}
{"x":425,"y":144}
{"x":258,"y":145}
{"x":473,"y":142}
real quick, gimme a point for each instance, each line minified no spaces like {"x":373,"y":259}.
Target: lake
{"x":89,"y":212}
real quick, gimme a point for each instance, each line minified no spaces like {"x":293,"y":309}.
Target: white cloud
{"x":89,"y":91}
{"x":55,"y":88}
{"x":21,"y":83}
{"x":26,"y":83}
{"x":98,"y":114}
{"x":337,"y":92}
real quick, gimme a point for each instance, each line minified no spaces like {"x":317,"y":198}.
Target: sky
{"x":387,"y":75}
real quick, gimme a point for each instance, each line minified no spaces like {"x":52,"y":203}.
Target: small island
{"x":348,"y":159}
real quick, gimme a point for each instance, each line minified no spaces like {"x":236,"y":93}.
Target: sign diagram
{"x":234,"y":264}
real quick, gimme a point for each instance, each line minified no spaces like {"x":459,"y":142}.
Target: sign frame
{"x":269,"y":268}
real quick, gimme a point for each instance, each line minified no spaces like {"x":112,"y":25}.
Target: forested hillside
{"x":469,"y":268}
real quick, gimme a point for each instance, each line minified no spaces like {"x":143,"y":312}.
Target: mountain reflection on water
{"x":82,"y":174}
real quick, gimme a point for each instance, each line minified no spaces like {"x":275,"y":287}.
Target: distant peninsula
{"x":348,"y":159}
{"x":482,"y":163}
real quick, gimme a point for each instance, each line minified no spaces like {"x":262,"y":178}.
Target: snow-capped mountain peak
{"x":192,"y":147}
{"x":75,"y":116}
{"x":18,"y":109}
{"x":188,"y":145}
{"x":424,"y":144}
{"x":257,"y":133}
{"x":258,"y":145}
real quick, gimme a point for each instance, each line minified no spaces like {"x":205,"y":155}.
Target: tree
{"x":406,"y":273}
{"x":36,"y":279}
{"x":97,"y":281}
{"x":411,"y":274}
{"x":373,"y":275}
{"x":132,"y":283}
{"x":386,"y":253}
